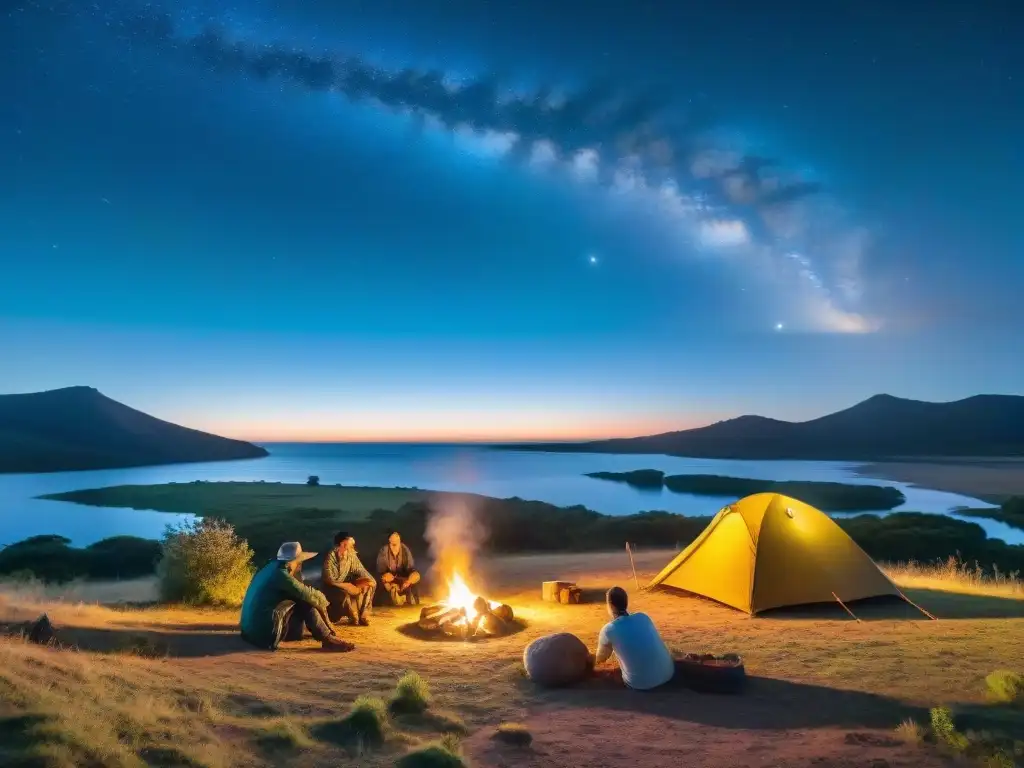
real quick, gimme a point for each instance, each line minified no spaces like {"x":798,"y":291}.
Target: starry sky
{"x":386,"y":220}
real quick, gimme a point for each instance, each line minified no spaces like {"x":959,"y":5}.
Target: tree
{"x":313,"y":480}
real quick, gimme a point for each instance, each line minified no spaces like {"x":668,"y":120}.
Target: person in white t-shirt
{"x":643,"y":656}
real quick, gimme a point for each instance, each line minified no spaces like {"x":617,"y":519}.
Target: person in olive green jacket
{"x":278,"y":606}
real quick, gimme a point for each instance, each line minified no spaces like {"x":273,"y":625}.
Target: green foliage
{"x":313,"y":480}
{"x":204,"y":563}
{"x":446,"y":753}
{"x":1005,"y":687}
{"x":411,"y":696}
{"x":53,"y":559}
{"x":945,"y":730}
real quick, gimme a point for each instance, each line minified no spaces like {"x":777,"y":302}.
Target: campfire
{"x":463,"y":615}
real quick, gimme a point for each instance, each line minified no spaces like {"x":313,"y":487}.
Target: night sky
{"x":482,"y":220}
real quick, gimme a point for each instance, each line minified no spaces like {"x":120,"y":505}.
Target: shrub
{"x":517,"y":735}
{"x":411,"y":696}
{"x":313,"y":480}
{"x":52,"y":558}
{"x":910,"y":732}
{"x":204,"y":562}
{"x":945,"y":730}
{"x":1005,"y":687}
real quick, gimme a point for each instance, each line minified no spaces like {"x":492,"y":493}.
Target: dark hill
{"x":879,"y":428}
{"x":79,"y":428}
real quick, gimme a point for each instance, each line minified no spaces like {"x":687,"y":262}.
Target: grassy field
{"x":173,"y":686}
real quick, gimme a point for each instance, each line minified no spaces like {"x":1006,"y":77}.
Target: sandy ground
{"x":991,"y":480}
{"x":825,"y":690}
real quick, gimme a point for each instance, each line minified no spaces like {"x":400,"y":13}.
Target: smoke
{"x":638,"y":147}
{"x":454,"y":535}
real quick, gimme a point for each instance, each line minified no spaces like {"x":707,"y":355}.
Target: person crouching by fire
{"x":278,"y":606}
{"x":396,"y":570}
{"x":346,"y":582}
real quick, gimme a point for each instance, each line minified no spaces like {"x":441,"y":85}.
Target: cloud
{"x":721,"y":198}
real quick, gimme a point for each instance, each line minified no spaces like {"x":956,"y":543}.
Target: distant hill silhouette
{"x":79,"y":428}
{"x":879,"y":428}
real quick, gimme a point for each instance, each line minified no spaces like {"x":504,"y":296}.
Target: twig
{"x":633,"y":566}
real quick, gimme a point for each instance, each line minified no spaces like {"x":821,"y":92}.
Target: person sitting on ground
{"x":346,"y":582}
{"x":278,"y":606}
{"x":396,"y":570}
{"x":643,"y":657}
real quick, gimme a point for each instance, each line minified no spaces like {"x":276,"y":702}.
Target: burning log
{"x":437,"y":619}
{"x":490,"y":625}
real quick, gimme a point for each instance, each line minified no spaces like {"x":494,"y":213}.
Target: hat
{"x":292,"y":550}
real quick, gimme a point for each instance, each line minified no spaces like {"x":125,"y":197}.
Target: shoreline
{"x":990,"y":480}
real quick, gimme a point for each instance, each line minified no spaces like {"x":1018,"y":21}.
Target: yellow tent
{"x":768,"y":551}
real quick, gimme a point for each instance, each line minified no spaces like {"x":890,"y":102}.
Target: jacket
{"x":340,"y":569}
{"x":272,"y":584}
{"x":405,"y":564}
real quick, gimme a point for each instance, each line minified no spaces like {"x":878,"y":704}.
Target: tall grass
{"x":957,"y":575}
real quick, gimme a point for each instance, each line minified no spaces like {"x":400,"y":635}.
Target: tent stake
{"x":922,"y":610}
{"x":844,"y":607}
{"x":633,"y":566}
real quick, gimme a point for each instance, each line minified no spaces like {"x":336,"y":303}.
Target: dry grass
{"x":215,"y":702}
{"x":955,"y":575}
{"x":911,"y":732}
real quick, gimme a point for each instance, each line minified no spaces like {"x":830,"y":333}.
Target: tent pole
{"x":633,"y":566}
{"x":845,"y":608}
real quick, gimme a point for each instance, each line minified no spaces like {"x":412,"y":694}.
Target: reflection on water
{"x":557,"y":478}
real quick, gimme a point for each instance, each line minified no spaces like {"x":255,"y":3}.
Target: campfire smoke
{"x":454,"y":535}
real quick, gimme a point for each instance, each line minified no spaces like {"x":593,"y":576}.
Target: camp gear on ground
{"x":710,"y":674}
{"x":769,"y":551}
{"x":642,"y":655}
{"x":557,"y":660}
{"x":271,"y":585}
{"x":292,"y":550}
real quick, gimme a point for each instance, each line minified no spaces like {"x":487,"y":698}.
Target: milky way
{"x":725,"y":201}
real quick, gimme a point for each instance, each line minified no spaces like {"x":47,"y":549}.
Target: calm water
{"x":557,"y":478}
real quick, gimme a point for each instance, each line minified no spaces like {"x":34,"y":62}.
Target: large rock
{"x":556,"y":660}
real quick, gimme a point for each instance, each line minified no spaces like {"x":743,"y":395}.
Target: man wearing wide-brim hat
{"x":278,"y":606}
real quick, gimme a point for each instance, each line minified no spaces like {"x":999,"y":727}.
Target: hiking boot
{"x":334,"y":644}
{"x":364,"y":621}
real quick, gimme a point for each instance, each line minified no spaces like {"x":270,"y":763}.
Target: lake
{"x":557,"y":478}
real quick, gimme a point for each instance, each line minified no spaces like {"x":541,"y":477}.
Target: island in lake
{"x":829,"y":497}
{"x":79,"y":428}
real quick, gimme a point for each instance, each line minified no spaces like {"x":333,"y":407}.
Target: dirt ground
{"x":992,"y":480}
{"x":825,"y":690}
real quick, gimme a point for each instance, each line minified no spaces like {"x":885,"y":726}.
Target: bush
{"x":945,"y":730}
{"x":52,"y":558}
{"x":411,"y":696}
{"x":1005,"y":687}
{"x":313,"y":480}
{"x":204,"y":563}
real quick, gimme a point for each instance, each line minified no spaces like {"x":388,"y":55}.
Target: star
{"x":592,"y":259}
{"x":779,"y":326}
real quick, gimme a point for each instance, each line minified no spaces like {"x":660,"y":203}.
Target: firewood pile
{"x":564,"y":592}
{"x":456,"y":622}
